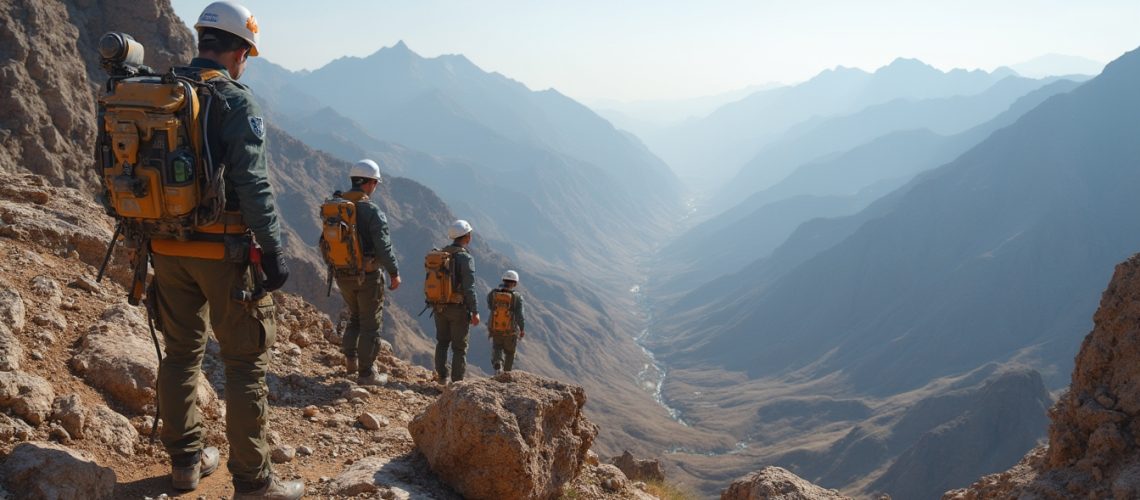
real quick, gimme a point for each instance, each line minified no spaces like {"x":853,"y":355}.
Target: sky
{"x":634,"y":50}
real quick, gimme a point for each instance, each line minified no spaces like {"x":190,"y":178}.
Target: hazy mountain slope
{"x":996,"y":255}
{"x":520,"y":163}
{"x":840,"y":185}
{"x":819,"y":138}
{"x":716,"y":146}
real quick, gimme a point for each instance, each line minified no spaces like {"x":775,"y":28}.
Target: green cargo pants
{"x":188,"y":290}
{"x":452,"y":324}
{"x":503,"y":345}
{"x":366,"y":316}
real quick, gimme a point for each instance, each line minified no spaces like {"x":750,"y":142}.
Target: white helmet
{"x":511,"y":276}
{"x":231,"y":18}
{"x":365,"y":168}
{"x":458,"y":229}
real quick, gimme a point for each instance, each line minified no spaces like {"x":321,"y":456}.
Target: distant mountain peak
{"x":906,"y":65}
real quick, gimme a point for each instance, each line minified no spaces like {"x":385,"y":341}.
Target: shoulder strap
{"x":354,"y":196}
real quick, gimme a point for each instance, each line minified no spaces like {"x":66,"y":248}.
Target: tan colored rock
{"x":377,"y":476}
{"x":112,"y":429}
{"x":50,"y":471}
{"x":515,"y":436}
{"x":14,"y":428}
{"x":638,"y":470}
{"x":70,"y":413}
{"x":117,"y":356}
{"x":372,"y":421}
{"x":775,"y":483}
{"x":283,"y":454}
{"x":27,"y":396}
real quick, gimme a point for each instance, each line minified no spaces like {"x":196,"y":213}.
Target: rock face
{"x":27,"y":396}
{"x":47,"y":61}
{"x":775,"y":483}
{"x":516,"y":435}
{"x":639,"y":470}
{"x":1094,"y":438}
{"x":52,"y":472}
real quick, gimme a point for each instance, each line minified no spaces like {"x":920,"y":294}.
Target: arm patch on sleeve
{"x":257,"y":125}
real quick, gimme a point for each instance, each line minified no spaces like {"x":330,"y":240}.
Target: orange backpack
{"x":502,"y":317}
{"x":340,"y":241}
{"x":441,"y":282}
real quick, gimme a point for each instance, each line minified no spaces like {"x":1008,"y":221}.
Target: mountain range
{"x":713,"y":148}
{"x":838,"y":184}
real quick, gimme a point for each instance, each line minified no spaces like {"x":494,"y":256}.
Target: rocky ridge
{"x":1094,"y":437}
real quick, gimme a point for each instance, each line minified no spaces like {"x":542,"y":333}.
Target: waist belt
{"x":207,"y":242}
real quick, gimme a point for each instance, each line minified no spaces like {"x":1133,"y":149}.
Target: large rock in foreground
{"x":775,"y":483}
{"x":50,"y":471}
{"x":516,"y":435}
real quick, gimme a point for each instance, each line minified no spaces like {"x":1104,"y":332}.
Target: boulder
{"x":384,"y":477}
{"x":54,"y":472}
{"x":772,"y":483}
{"x":639,"y":470}
{"x":516,"y":435}
{"x":11,"y":350}
{"x":28,"y":396}
{"x":70,"y":413}
{"x":372,"y":421}
{"x":112,"y":429}
{"x":14,"y":429}
{"x":117,"y":356}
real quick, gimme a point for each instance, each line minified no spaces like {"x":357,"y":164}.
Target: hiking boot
{"x":372,"y":379}
{"x":498,"y":371}
{"x":350,"y":364}
{"x":186,"y":477}
{"x":274,"y":489}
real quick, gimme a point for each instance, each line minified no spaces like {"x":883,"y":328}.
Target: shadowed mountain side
{"x":994,"y":256}
{"x":572,"y":332}
{"x":755,"y":227}
{"x":908,"y":445}
{"x":816,"y":139}
{"x":716,"y":146}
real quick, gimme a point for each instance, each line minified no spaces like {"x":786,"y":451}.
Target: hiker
{"x":355,"y":258}
{"x":450,"y":291}
{"x":506,"y":325}
{"x":192,"y":279}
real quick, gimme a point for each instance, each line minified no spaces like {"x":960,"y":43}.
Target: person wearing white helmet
{"x":507,"y":324}
{"x":191,"y":289}
{"x":453,"y":322}
{"x":364,"y":295}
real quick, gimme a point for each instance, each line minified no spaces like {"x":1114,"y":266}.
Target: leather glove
{"x":275,"y":269}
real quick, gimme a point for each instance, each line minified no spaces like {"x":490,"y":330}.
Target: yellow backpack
{"x":502,"y":317}
{"x":441,"y":283}
{"x":340,"y":241}
{"x":158,"y":178}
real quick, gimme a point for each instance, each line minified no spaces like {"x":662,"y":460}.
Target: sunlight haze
{"x":640,"y":49}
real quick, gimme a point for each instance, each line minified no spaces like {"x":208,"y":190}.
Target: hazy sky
{"x":641,"y":49}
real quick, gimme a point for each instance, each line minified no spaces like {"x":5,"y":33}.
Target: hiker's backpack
{"x":154,"y":154}
{"x":502,"y":314}
{"x":441,"y":285}
{"x":340,"y":241}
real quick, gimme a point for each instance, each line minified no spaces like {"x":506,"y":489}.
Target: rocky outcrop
{"x":53,"y":472}
{"x":775,"y":483}
{"x":516,"y":435}
{"x":117,"y":355}
{"x":49,"y":66}
{"x":1094,"y":438}
{"x":27,"y":396}
{"x":637,"y":469}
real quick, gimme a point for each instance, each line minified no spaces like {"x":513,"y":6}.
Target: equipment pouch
{"x":237,"y":248}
